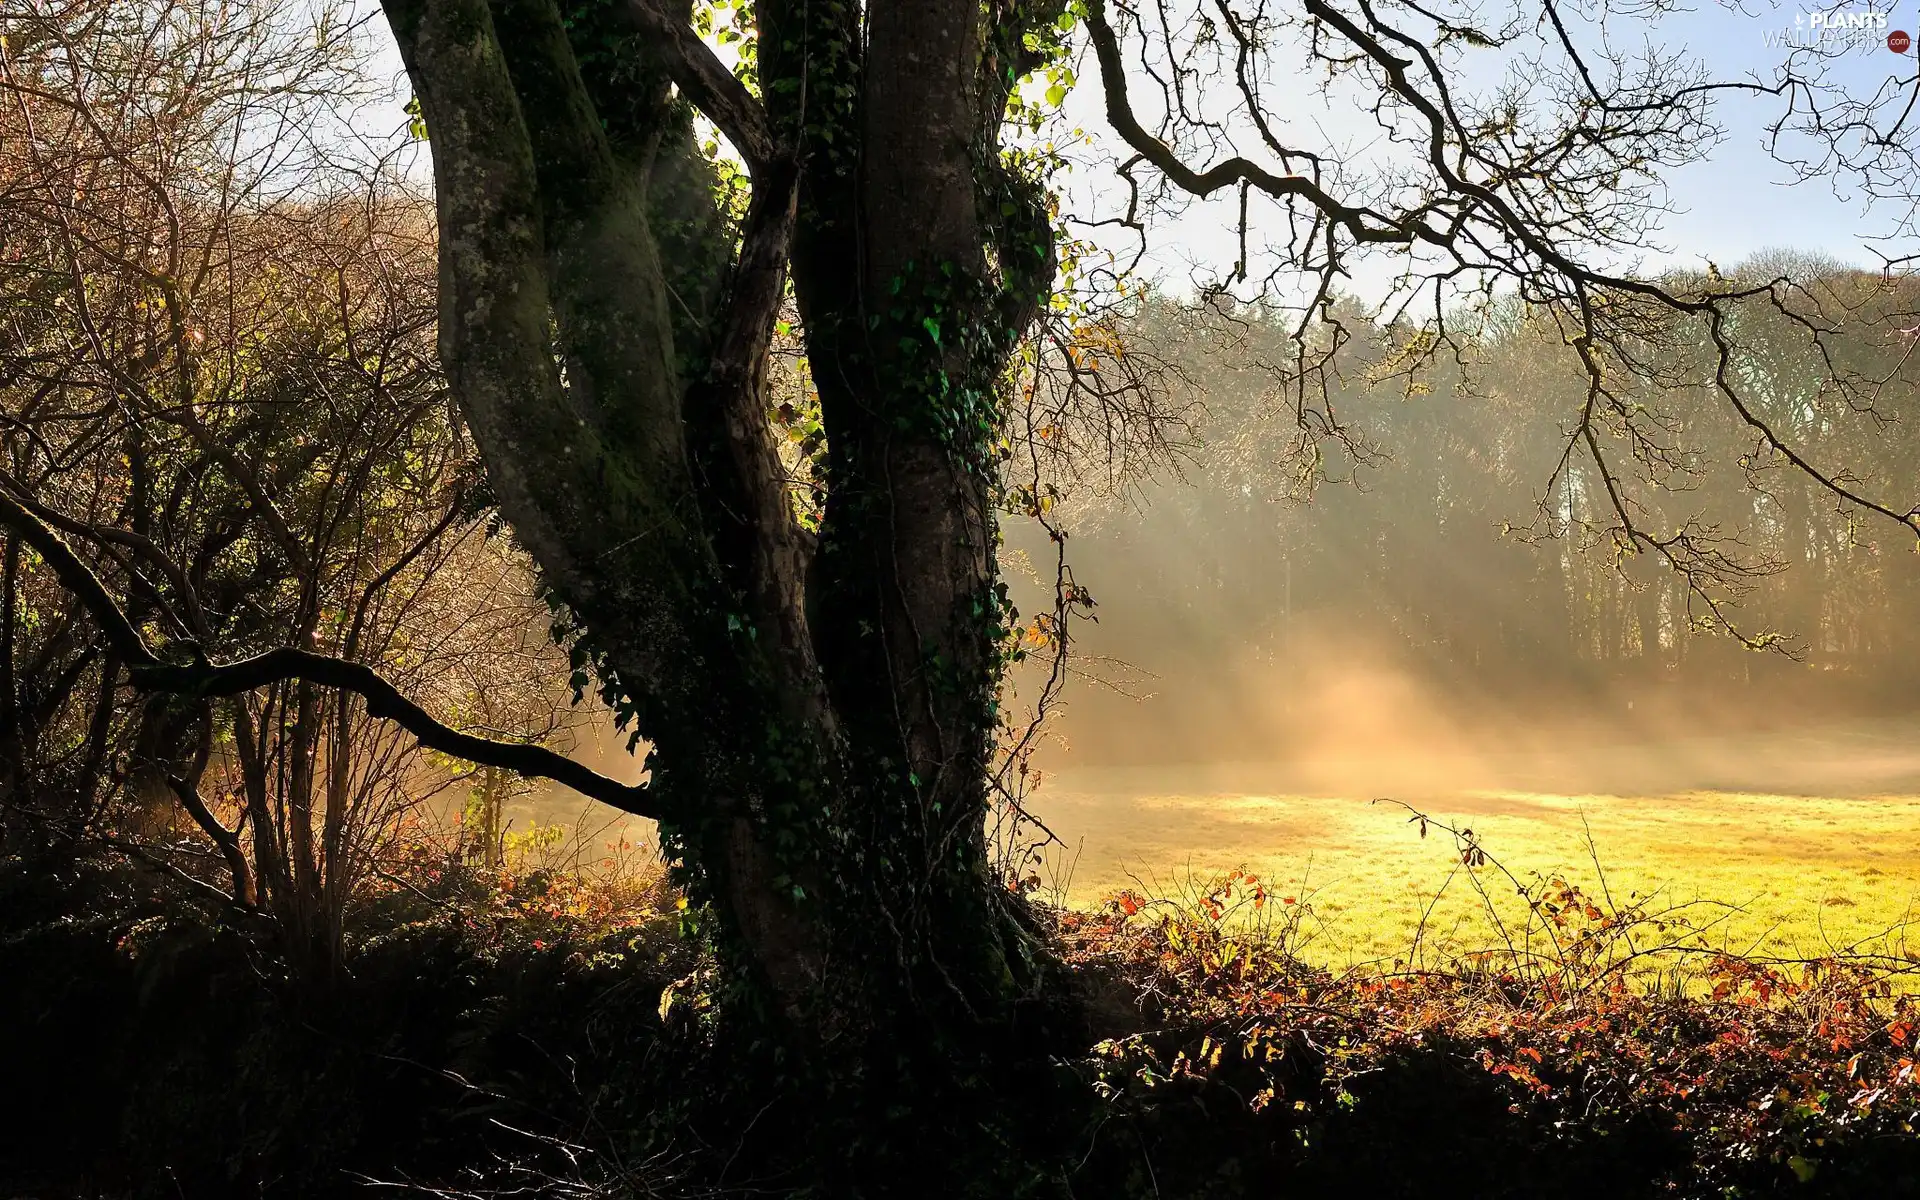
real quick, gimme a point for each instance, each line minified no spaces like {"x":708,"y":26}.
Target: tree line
{"x":1445,"y":526}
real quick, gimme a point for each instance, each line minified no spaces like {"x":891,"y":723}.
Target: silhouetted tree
{"x":820,"y":703}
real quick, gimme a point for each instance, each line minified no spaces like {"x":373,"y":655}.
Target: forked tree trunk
{"x":820,"y":708}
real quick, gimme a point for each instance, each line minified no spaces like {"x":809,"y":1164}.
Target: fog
{"x":1339,"y":715}
{"x":1448,"y":610}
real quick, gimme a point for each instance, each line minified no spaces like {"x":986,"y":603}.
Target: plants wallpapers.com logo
{"x":1840,"y":29}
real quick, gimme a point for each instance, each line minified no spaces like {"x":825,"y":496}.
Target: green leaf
{"x":416,"y":122}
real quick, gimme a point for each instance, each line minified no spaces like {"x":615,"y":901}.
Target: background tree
{"x":221,"y":387}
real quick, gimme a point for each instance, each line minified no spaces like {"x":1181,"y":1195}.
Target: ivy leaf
{"x":416,"y":120}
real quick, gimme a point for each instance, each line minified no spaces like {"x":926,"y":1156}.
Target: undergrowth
{"x":534,"y":1028}
{"x":1597,"y":1050}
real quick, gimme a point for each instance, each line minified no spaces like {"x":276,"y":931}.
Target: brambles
{"x":1594,"y":1053}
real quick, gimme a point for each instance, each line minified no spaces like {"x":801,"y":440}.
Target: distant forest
{"x":1434,"y":519}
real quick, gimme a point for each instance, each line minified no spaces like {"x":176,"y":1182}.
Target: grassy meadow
{"x":1828,"y":856}
{"x":1788,"y":841}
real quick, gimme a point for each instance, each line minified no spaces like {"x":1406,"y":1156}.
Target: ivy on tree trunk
{"x":819,"y":704}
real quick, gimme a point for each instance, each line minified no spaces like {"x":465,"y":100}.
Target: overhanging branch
{"x":1536,"y":208}
{"x":149,"y":672}
{"x":1362,"y":224}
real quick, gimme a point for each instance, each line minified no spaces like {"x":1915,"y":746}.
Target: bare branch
{"x":149,"y":672}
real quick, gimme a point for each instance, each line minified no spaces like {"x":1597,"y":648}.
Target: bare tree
{"x":223,"y":400}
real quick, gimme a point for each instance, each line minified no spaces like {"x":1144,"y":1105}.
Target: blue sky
{"x":1741,"y":200}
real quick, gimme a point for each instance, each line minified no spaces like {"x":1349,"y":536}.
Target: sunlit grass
{"x":1804,"y":875}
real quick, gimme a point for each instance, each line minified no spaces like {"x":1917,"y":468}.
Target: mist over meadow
{"x":1442,"y":599}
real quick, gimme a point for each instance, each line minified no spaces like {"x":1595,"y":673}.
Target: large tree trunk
{"x":820,"y":710}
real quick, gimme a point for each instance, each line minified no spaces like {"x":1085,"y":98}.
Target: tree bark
{"x":820,"y":709}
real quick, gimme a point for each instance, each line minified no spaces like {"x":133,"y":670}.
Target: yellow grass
{"x":1807,"y":872}
{"x":1813,"y":832}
